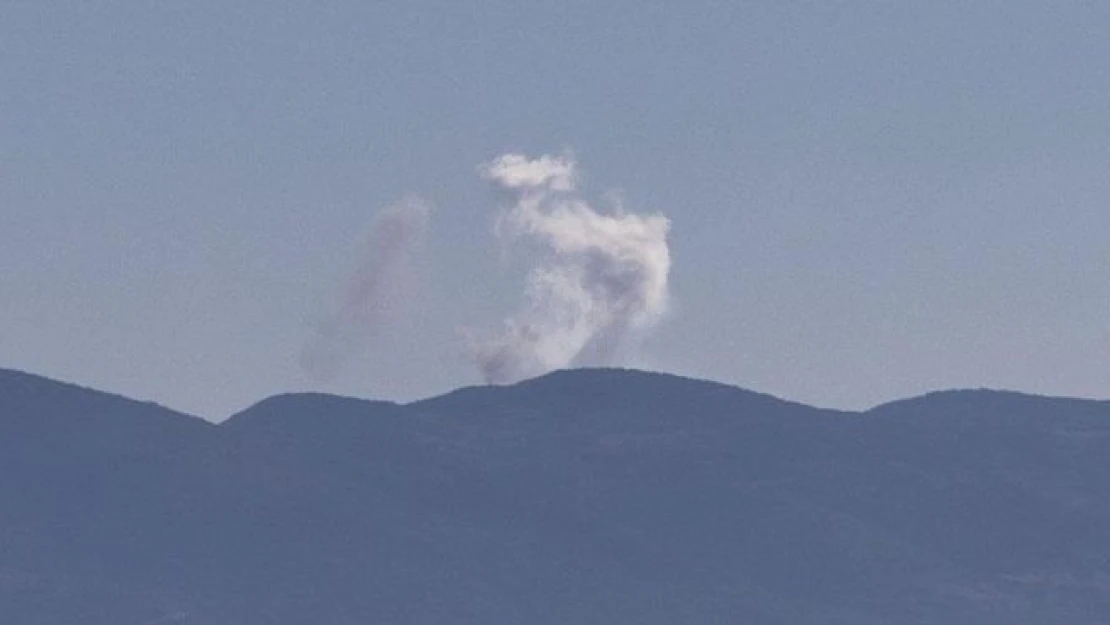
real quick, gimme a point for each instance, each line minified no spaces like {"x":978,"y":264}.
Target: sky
{"x":866,"y":200}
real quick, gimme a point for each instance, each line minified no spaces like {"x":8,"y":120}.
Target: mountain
{"x":584,"y":496}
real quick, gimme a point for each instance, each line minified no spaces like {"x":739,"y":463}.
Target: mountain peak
{"x":600,"y":389}
{"x":982,"y":401}
{"x":283,"y":408}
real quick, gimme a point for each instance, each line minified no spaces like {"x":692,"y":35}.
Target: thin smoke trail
{"x":375,"y":293}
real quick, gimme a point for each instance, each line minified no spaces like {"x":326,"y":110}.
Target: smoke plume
{"x":374,"y":295}
{"x":601,"y":278}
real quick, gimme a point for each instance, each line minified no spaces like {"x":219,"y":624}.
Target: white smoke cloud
{"x":375,"y":294}
{"x":602,"y":277}
{"x":514,"y":171}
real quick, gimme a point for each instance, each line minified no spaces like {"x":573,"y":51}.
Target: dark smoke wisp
{"x":375,"y":294}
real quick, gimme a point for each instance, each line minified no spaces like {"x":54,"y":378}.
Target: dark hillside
{"x":588,"y":496}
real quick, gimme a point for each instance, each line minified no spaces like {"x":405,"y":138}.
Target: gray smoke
{"x":601,"y":279}
{"x":374,"y":296}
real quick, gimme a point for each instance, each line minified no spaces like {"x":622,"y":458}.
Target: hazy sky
{"x":867,"y":199}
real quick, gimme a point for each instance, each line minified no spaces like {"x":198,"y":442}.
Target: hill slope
{"x":589,"y":496}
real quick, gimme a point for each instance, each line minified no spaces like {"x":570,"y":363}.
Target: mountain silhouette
{"x":584,"y":496}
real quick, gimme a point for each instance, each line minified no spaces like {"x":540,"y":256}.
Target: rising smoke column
{"x":374,"y":295}
{"x":601,"y":278}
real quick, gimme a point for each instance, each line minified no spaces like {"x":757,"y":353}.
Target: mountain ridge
{"x":9,"y":377}
{"x":587,"y":496}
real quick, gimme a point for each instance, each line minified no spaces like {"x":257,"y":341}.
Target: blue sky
{"x":867,"y":199}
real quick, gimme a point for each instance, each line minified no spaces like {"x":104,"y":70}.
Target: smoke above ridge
{"x":600,"y":279}
{"x":376,"y":292}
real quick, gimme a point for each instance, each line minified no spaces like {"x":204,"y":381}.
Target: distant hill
{"x":586,"y":496}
